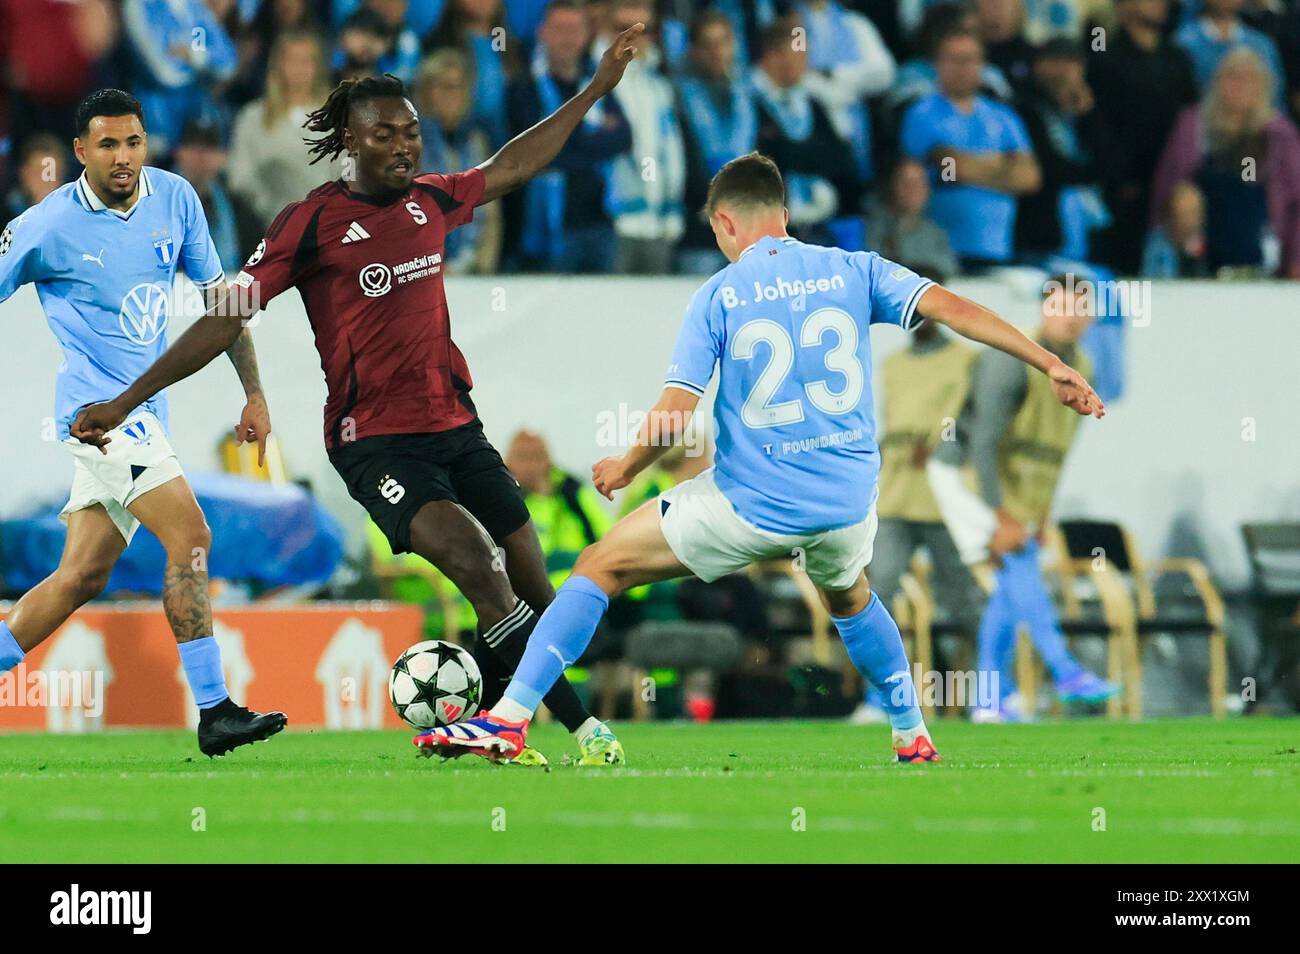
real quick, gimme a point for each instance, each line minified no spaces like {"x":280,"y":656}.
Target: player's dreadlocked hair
{"x":332,"y":118}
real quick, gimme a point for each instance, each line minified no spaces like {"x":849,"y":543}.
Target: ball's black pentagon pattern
{"x":449,"y":691}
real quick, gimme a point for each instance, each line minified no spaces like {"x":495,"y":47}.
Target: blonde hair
{"x":1217,"y":127}
{"x":437,"y":63}
{"x":275,"y":101}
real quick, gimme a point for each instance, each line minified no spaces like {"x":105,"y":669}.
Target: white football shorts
{"x":708,"y":537}
{"x":139,"y":459}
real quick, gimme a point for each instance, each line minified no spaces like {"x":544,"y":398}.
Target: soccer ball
{"x":435,"y":683}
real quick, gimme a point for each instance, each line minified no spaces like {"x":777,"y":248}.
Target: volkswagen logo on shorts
{"x":376,"y":280}
{"x":144,"y":312}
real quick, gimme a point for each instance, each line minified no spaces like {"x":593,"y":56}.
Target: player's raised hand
{"x":615,"y":59}
{"x":255,"y":425}
{"x":95,"y":421}
{"x":1073,"y":390}
{"x":609,"y":475}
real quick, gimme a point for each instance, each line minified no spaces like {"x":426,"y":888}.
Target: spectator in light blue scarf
{"x":848,"y":63}
{"x":478,"y":27}
{"x":566,"y":225}
{"x":796,"y":131}
{"x":647,"y":184}
{"x":181,"y":54}
{"x":454,"y":143}
{"x":719,"y":123}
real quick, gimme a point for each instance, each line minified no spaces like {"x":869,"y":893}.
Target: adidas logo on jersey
{"x":355,"y":234}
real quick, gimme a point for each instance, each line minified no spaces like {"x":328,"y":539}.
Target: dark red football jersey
{"x":370,"y":275}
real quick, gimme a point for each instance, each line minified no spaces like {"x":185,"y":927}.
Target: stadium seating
{"x":1094,"y":603}
{"x":1274,"y":552}
{"x":681,"y":645}
{"x":1192,"y":607}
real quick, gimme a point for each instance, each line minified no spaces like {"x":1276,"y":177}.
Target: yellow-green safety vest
{"x":1031,"y":454}
{"x":924,"y":393}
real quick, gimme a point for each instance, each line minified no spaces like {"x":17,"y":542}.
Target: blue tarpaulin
{"x":265,"y":535}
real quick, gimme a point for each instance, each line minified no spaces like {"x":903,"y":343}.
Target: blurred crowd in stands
{"x":1148,"y":137}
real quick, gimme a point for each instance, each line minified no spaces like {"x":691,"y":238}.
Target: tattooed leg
{"x":185,"y":599}
{"x":173,"y":515}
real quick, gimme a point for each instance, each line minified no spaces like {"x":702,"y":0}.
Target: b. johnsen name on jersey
{"x":783,"y":289}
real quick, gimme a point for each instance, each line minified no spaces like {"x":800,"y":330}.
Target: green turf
{"x":1171,"y":791}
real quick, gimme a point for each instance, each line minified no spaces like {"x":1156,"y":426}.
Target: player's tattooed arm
{"x":243,"y":356}
{"x":663,"y":428}
{"x":242,"y":353}
{"x":208,"y":337}
{"x":977,"y":323}
{"x":255,"y":423}
{"x":535,"y":148}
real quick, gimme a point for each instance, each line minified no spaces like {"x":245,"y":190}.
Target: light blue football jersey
{"x":787,"y":328}
{"x":105,"y":280}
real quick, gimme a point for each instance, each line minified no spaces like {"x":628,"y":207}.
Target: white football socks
{"x":511,"y":711}
{"x":587,"y":729}
{"x":908,"y":736}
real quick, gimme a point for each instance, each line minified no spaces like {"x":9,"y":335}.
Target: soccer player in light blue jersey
{"x":103,"y":252}
{"x":784,"y":328}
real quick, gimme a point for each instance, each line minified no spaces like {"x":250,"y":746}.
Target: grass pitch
{"x":1188,"y":790}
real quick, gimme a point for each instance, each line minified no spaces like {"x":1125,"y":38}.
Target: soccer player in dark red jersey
{"x":400,"y":428}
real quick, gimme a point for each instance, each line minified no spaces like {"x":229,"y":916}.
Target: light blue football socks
{"x":11,"y":654}
{"x":876,"y":647}
{"x":560,"y":638}
{"x":202,"y":661}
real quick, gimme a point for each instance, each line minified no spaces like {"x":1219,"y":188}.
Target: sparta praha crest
{"x":435,"y":683}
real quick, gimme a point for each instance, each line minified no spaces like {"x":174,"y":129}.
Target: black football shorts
{"x":394,"y":475}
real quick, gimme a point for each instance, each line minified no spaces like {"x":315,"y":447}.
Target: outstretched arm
{"x":662,"y":428}
{"x":212,"y":334}
{"x":979,"y":324}
{"x":535,"y":148}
